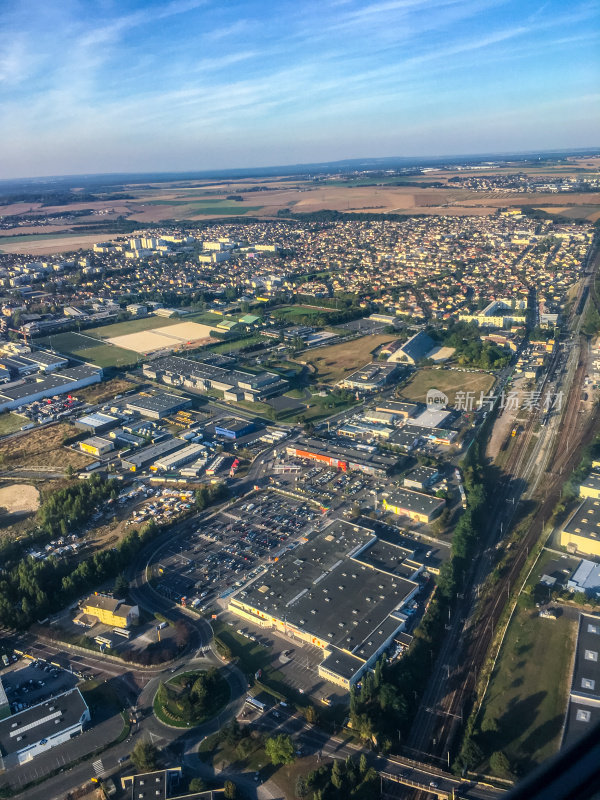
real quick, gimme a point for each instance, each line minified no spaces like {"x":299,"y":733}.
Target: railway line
{"x":536,"y":466}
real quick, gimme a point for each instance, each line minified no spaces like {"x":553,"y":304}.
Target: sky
{"x":93,"y":86}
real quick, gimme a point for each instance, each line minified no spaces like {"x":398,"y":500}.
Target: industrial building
{"x":34,"y":731}
{"x":586,"y":578}
{"x":581,"y":532}
{"x":342,"y":590}
{"x":173,"y":461}
{"x":157,"y":406}
{"x":234,"y":428}
{"x":591,"y":486}
{"x":109,"y":610}
{"x":414,"y":349}
{"x":140,"y":459}
{"x":97,"y":422}
{"x":416,"y":505}
{"x":370,"y":377}
{"x":39,"y":387}
{"x":202,"y":376}
{"x":583,"y":710}
{"x":421,"y":478}
{"x":342,"y":457}
{"x":432,"y":418}
{"x":96,"y":446}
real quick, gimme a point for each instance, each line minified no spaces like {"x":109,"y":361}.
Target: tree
{"x":363,"y":765}
{"x":144,"y":756}
{"x":280,"y":749}
{"x":337,"y":774}
{"x":500,"y":764}
{"x":230,"y":790}
{"x":121,"y":586}
{"x":197,"y":785}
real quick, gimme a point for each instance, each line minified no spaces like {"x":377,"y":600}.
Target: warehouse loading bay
{"x":235,"y":548}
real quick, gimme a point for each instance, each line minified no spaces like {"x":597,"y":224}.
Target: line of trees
{"x":66,"y":509}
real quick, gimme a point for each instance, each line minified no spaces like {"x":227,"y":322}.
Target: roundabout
{"x":191,"y":698}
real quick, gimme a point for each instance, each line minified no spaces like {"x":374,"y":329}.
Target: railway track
{"x":453,"y":684}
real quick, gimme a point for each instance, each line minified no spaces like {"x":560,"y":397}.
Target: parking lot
{"x":232,"y":548}
{"x":33,"y":682}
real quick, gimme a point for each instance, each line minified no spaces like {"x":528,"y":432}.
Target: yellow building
{"x":415,"y":505}
{"x":581,"y":533}
{"x":96,"y":446}
{"x":591,"y":486}
{"x":110,"y":611}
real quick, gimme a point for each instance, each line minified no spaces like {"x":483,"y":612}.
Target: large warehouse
{"x":38,"y":387}
{"x":342,"y":457}
{"x":35,"y":730}
{"x":418,"y":506}
{"x":343,"y":590}
{"x":201,"y":376}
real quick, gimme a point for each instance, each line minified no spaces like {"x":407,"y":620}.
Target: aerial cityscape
{"x":299,"y":401}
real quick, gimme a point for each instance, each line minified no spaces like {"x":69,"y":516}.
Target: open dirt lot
{"x":42,"y":448}
{"x":169,"y":336}
{"x":339,"y":360}
{"x":19,"y":497}
{"x":448,"y":381}
{"x":99,"y":392}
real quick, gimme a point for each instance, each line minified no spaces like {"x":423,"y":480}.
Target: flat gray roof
{"x":584,"y":699}
{"x":415,"y":501}
{"x":39,"y":722}
{"x":320,"y":588}
{"x":161,"y":402}
{"x":586,"y":520}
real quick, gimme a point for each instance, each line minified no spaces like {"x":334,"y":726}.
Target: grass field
{"x":448,"y":381}
{"x":89,"y":348}
{"x":293,"y":313}
{"x":9,"y":423}
{"x":527,"y":696}
{"x":340,"y":360}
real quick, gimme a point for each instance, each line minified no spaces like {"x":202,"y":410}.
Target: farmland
{"x":332,"y":364}
{"x":448,"y":381}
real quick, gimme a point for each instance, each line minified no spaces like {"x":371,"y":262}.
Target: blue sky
{"x":124,"y":85}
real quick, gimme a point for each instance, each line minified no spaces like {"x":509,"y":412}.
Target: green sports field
{"x":89,"y":348}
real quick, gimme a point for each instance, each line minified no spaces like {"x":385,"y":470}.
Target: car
{"x":123,"y":759}
{"x":257,"y":776}
{"x":433,"y":784}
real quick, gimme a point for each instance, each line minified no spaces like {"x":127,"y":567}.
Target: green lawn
{"x":89,"y":348}
{"x":9,"y":423}
{"x":293,"y":313}
{"x":527,"y":695}
{"x":172,"y":713}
